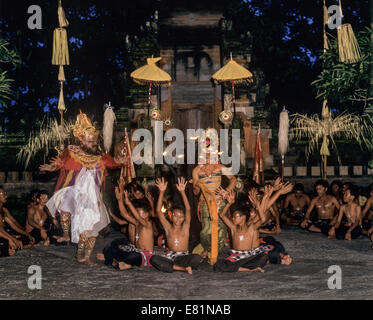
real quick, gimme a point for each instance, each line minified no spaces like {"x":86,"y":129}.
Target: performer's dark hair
{"x":337,"y":182}
{"x":142,"y":204}
{"x":135,"y":186}
{"x":354,"y":191}
{"x":40,"y":192}
{"x":348,"y":183}
{"x":2,"y":187}
{"x":322,"y":182}
{"x":298,"y":187}
{"x":243,"y":208}
{"x":178,"y":207}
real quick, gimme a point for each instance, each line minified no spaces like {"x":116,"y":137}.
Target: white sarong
{"x":84,"y":201}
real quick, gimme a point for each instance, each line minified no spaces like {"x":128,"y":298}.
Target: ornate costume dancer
{"x":206,"y":182}
{"x":79,"y":199}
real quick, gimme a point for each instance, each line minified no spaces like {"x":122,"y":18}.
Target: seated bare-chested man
{"x":10,"y":229}
{"x":177,"y":234}
{"x":348,"y":224}
{"x":325,"y":205}
{"x":33,"y":195}
{"x":40,"y":223}
{"x":122,"y":254}
{"x":248,"y":252}
{"x":295,"y":206}
{"x":367,"y":213}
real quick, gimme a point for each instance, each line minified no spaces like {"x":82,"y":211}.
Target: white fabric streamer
{"x":84,"y":201}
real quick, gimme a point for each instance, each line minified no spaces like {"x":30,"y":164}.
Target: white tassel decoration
{"x":109,"y":118}
{"x":283,"y":132}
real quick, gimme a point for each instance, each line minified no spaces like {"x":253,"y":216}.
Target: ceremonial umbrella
{"x":151,"y":74}
{"x":234,"y":73}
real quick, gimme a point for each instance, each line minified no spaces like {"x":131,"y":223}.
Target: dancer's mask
{"x":84,"y":128}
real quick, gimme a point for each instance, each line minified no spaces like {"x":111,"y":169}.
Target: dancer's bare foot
{"x":11,"y":252}
{"x":46,"y":242}
{"x":63,"y":239}
{"x":90,"y":263}
{"x":189,"y":270}
{"x":100,"y":256}
{"x":124,"y":266}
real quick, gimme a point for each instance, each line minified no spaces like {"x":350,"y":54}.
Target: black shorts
{"x":323,"y":224}
{"x":298,"y":216}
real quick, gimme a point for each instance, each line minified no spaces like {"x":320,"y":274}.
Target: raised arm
{"x":56,"y":163}
{"x":180,"y":186}
{"x":133,"y":210}
{"x":122,"y":208}
{"x":162,"y":186}
{"x":283,"y":189}
{"x":121,"y":222}
{"x":223,"y":216}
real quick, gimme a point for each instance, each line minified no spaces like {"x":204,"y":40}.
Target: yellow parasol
{"x":151,"y":74}
{"x":234,"y":73}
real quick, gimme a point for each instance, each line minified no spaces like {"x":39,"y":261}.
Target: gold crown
{"x":83,"y":127}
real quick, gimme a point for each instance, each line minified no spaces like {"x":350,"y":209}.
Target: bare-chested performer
{"x":295,"y":206}
{"x":40,"y":223}
{"x":248,"y":254}
{"x":177,"y":234}
{"x":272,"y":224}
{"x":325,"y":205}
{"x":122,"y":254}
{"x":136,"y":191}
{"x":348,"y":225}
{"x":367,"y":213}
{"x":10,"y":230}
{"x":207,"y":179}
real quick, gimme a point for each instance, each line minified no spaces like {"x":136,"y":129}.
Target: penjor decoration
{"x":60,"y":54}
{"x":283,"y":138}
{"x":348,"y":48}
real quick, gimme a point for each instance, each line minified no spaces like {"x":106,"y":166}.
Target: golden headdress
{"x":83,"y":127}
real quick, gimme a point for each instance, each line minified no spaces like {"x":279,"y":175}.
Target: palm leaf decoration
{"x":326,"y":129}
{"x":6,"y":56}
{"x":50,"y":135}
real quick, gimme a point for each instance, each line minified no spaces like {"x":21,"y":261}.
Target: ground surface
{"x":306,"y":278}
